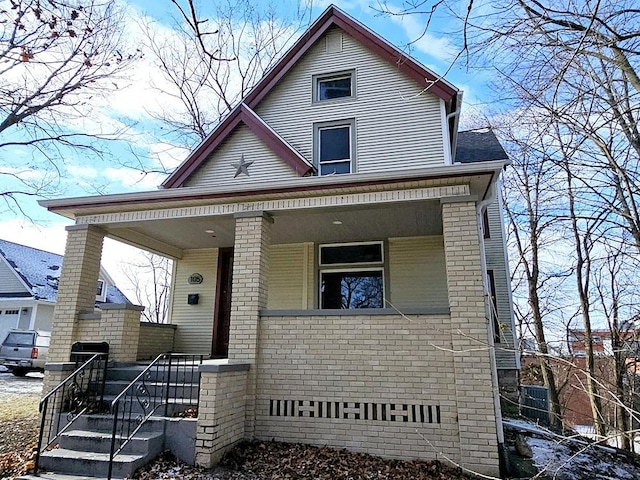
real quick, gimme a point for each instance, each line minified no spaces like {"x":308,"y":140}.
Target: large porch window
{"x":351,"y":276}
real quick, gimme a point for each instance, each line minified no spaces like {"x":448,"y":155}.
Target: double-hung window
{"x":334,"y":147}
{"x":333,"y":86}
{"x":351,"y":275}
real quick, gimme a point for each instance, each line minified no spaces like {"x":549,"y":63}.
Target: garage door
{"x":8,"y":320}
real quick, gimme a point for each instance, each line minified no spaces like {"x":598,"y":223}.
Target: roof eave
{"x":72,"y":207}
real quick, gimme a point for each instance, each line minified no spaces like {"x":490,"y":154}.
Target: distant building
{"x":601,"y":342}
{"x":29,"y":287}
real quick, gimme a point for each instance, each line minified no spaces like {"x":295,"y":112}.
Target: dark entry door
{"x":222,"y":314}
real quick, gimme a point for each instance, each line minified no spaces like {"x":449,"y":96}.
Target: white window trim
{"x":350,"y":244}
{"x":378,"y":266}
{"x":103,"y":291}
{"x":315,"y":94}
{"x":317,"y":127}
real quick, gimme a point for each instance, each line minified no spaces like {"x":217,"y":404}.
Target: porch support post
{"x":76,"y":287}
{"x":249,"y":296}
{"x":470,"y":337}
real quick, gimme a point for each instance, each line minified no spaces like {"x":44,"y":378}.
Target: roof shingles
{"x":40,"y":271}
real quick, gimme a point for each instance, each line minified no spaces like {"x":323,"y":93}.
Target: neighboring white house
{"x":29,"y":287}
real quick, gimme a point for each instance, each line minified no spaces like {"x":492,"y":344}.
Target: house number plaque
{"x":195,"y":279}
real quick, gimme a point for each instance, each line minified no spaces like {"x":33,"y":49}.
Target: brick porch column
{"x":76,"y":287}
{"x":470,"y":338}
{"x":249,"y":296}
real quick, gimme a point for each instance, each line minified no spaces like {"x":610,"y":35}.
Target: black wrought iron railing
{"x":80,"y":393}
{"x":169,"y":386}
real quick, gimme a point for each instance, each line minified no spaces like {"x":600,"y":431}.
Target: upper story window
{"x":333,"y":86}
{"x":334,"y":147}
{"x":351,"y":276}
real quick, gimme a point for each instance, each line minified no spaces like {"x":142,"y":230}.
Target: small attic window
{"x":334,"y":86}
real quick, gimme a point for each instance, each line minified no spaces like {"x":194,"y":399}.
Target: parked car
{"x":25,"y":351}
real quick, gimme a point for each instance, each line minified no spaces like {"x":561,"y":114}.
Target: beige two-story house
{"x":339,"y":255}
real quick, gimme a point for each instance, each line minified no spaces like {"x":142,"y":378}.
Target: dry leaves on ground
{"x":295,"y":461}
{"x":283,"y":461}
{"x":18,"y":434}
{"x":19,"y":462}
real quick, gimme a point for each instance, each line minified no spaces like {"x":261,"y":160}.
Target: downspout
{"x":502,"y":452}
{"x":453,"y":120}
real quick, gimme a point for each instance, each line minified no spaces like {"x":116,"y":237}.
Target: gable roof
{"x":332,"y":16}
{"x":40,"y":272}
{"x":240,"y":114}
{"x":479,"y":146}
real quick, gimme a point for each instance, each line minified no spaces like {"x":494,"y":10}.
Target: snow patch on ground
{"x":573,"y":458}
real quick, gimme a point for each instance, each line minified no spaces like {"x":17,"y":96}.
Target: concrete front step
{"x":100,"y":442}
{"x":57,"y":476}
{"x":175,"y":407}
{"x":104,"y":423}
{"x":72,"y":462}
{"x":114,"y":387}
{"x":178,"y":374}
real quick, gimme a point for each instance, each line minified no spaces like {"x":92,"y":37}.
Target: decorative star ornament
{"x":241,"y":167}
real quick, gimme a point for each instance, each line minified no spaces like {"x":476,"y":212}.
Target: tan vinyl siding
{"x":397,"y":124}
{"x":417,"y":272}
{"x":9,"y":282}
{"x":290,"y":277}
{"x":219,"y":171}
{"x":195,"y":322}
{"x":494,"y":249}
{"x":286,"y":277}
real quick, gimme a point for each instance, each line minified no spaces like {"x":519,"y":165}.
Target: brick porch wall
{"x":250,"y":272}
{"x":376,"y":383}
{"x":221,"y":413}
{"x":77,"y":287}
{"x":475,"y":386}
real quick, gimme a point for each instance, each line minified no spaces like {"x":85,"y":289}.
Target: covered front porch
{"x":291,"y":357}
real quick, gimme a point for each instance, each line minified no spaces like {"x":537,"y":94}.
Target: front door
{"x":222,"y":314}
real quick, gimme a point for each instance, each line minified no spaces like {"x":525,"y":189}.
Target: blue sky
{"x":133,"y":101}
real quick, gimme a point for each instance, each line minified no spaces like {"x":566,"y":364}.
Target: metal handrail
{"x":74,"y":396}
{"x":150,"y":391}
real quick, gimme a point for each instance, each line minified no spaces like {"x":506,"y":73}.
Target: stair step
{"x":100,"y":442}
{"x":72,"y":462}
{"x":57,"y":476}
{"x":176,"y":406}
{"x":178,"y":374}
{"x":104,"y":424}
{"x":115,"y":387}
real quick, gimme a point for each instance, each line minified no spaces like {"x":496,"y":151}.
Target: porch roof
{"x":356,"y":207}
{"x":479,"y":176}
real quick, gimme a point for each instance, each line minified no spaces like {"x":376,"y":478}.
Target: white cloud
{"x":82,"y":171}
{"x":50,"y":238}
{"x":133,"y":179}
{"x":439,"y":47}
{"x":166,"y":155}
{"x":28,"y":174}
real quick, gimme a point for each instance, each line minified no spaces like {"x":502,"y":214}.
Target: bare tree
{"x":150,"y":278}
{"x":54,"y":56}
{"x":215,"y":58}
{"x":531,"y":203}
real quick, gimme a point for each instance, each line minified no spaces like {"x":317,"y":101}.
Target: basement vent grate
{"x":386,"y":412}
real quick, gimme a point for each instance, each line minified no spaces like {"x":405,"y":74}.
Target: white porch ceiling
{"x":327,"y":225}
